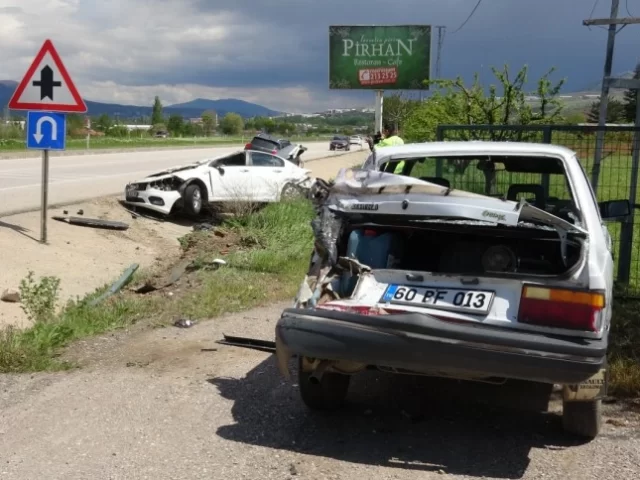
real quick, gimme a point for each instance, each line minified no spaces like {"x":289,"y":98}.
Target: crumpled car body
{"x":243,"y":176}
{"x":414,"y":276}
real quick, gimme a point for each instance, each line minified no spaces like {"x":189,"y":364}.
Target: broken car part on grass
{"x":411,"y":275}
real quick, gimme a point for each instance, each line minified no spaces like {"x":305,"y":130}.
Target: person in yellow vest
{"x":390,"y":139}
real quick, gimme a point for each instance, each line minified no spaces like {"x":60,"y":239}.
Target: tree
{"x":396,"y":109}
{"x":615,"y":111}
{"x":209,"y":122}
{"x":175,"y":125}
{"x":156,"y":114}
{"x":471,"y":105}
{"x":630,"y":99}
{"x":232,"y":124}
{"x":104,"y":123}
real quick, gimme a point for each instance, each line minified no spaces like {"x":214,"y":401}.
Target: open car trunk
{"x":403,"y":244}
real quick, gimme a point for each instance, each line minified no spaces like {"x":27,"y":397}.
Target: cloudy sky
{"x":274,"y":52}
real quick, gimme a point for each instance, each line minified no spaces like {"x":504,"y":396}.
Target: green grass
{"x":270,"y":270}
{"x":101,"y":143}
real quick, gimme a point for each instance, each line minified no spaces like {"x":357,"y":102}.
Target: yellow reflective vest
{"x":392,"y":142}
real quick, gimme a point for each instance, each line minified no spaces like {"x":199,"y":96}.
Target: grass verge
{"x":266,"y":253}
{"x":101,"y":143}
{"x":624,"y":349}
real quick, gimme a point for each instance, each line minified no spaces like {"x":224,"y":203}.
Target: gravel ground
{"x":152,"y":404}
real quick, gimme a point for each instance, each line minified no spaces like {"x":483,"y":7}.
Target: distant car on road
{"x":242,"y":176}
{"x":277,"y":146}
{"x":356,"y":140}
{"x":340,"y":142}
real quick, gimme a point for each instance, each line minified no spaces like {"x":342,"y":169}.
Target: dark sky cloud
{"x":246,"y":45}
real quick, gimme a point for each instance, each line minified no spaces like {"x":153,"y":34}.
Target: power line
{"x":626,"y":6}
{"x":593,"y":9}
{"x":468,"y":18}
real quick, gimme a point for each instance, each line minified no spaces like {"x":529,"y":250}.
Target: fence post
{"x":439,"y":137}
{"x":626,"y":229}
{"x":547,"y":133}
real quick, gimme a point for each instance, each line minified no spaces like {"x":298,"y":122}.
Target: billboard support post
{"x":378,"y":110}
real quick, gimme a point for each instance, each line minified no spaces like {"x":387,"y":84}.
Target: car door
{"x":268,"y":176}
{"x":230,"y":178}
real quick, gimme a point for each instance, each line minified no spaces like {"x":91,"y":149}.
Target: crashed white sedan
{"x":445,"y":270}
{"x":243,"y":176}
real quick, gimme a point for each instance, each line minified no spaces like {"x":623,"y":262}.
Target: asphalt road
{"x":80,"y":177}
{"x":169,"y":403}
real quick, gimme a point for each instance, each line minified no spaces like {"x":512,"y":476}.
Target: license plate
{"x":454,"y":299}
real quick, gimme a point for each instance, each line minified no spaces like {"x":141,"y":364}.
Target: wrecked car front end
{"x":159,"y":194}
{"x":412,"y":277}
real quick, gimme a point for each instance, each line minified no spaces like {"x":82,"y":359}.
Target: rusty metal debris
{"x":93,"y":222}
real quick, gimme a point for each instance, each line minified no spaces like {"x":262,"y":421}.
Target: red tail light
{"x":561,"y":308}
{"x":274,"y":151}
{"x":358,"y":309}
{"x":247,"y":146}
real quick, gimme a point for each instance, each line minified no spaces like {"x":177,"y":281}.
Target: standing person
{"x":391,"y":138}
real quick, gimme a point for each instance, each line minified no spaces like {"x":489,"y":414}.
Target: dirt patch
{"x":83,"y":258}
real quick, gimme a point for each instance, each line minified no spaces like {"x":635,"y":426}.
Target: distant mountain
{"x":191,"y":109}
{"x":596,"y":86}
{"x":240,"y":107}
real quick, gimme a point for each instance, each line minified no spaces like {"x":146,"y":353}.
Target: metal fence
{"x":610,"y":167}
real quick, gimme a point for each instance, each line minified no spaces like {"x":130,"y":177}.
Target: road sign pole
{"x":378,"y":111}
{"x":45,"y":195}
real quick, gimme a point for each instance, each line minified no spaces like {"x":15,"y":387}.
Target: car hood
{"x":183,"y":172}
{"x":370,"y":191}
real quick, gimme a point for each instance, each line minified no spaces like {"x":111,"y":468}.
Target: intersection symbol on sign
{"x":47,"y":86}
{"x":46,"y":130}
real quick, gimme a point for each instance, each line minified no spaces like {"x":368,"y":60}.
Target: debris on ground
{"x":199,"y":227}
{"x":93,"y":222}
{"x":184,"y":323}
{"x":10,"y":295}
{"x":252,"y":343}
{"x":117,"y":285}
{"x":80,"y":212}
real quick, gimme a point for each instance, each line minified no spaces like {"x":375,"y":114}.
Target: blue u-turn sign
{"x":46,"y":130}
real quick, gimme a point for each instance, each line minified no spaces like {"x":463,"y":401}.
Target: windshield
{"x":263,"y":143}
{"x":541,"y":181}
{"x":338,"y":137}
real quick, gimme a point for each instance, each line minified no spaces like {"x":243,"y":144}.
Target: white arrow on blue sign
{"x":46,"y":130}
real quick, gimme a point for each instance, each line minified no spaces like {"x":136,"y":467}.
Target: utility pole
{"x":626,"y":231}
{"x":441,"y":30}
{"x":612,"y":22}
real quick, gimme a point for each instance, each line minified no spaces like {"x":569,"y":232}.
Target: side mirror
{"x":220,"y":169}
{"x":615,"y":208}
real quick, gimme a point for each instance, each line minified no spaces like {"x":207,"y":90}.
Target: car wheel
{"x":290,"y":192}
{"x":193,"y":199}
{"x":582,"y":418}
{"x":327,"y":393}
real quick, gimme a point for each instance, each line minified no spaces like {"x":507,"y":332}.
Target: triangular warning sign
{"x":47,"y":86}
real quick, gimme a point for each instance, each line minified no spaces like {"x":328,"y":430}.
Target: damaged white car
{"x":243,"y":176}
{"x":411,"y":275}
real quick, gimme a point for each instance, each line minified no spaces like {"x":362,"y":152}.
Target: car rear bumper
{"x":422,"y":343}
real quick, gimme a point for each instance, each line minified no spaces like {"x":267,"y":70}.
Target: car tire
{"x":291,"y":192}
{"x":329,"y":393}
{"x":193,"y":199}
{"x":582,"y":418}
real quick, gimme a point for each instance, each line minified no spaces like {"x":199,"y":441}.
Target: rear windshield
{"x":263,"y":143}
{"x":542,"y":181}
{"x":337,"y":137}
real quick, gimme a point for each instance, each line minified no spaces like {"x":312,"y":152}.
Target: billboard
{"x":391,"y":57}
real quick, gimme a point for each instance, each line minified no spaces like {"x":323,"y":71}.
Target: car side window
{"x":236,"y":160}
{"x":259,"y":159}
